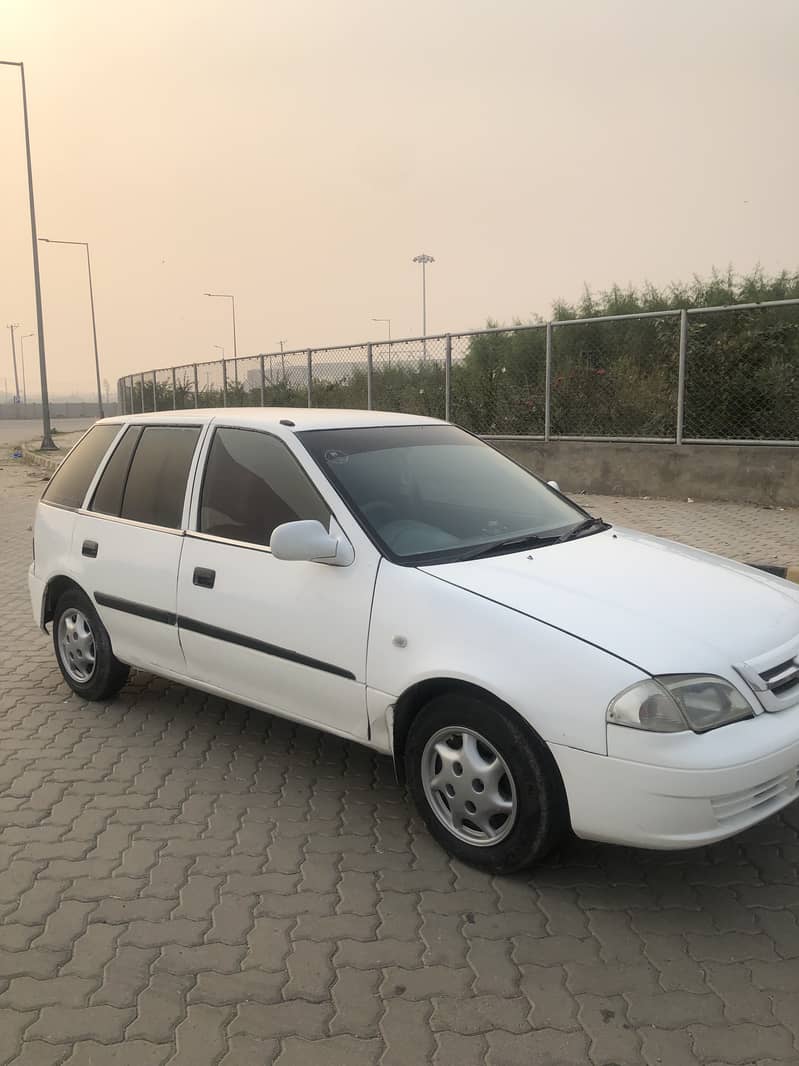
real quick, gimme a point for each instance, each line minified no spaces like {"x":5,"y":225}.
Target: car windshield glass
{"x":436,"y":493}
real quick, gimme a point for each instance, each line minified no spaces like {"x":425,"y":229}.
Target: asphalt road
{"x":19,"y":430}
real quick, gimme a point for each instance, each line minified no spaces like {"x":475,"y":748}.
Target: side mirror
{"x":554,"y":485}
{"x":308,"y":541}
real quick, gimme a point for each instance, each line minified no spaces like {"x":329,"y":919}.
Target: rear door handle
{"x":89,"y":549}
{"x":204,"y":578}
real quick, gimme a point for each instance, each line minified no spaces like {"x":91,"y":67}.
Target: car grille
{"x":774,"y":677}
{"x":770,"y":794}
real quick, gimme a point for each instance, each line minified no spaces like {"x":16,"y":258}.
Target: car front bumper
{"x":621,"y":801}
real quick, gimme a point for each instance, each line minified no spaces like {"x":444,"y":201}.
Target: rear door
{"x":287,"y":636}
{"x":128,"y":542}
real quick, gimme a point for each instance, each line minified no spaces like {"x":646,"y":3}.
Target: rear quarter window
{"x":108,"y":494}
{"x":70,"y":483}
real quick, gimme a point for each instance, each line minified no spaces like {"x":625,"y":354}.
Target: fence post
{"x":681,"y":375}
{"x":174,"y":391}
{"x":155,"y":391}
{"x":447,"y":377}
{"x":196,"y":388}
{"x":141,"y":383}
{"x":224,"y":384}
{"x":548,"y":385}
{"x":263,"y":379}
{"x":310,"y":368}
{"x":369,"y":376}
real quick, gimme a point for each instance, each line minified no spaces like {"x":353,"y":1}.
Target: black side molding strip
{"x":141,"y":610}
{"x":155,"y":614}
{"x":259,"y":645}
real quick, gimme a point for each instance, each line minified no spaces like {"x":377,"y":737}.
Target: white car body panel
{"x":139,"y":564}
{"x":293,"y":606}
{"x":554,"y":632}
{"x":666,"y":607}
{"x":560,"y":685}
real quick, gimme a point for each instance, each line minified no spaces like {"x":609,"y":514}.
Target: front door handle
{"x":203,"y":577}
{"x":89,"y":549}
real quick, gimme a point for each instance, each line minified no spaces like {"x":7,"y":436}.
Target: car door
{"x":128,"y":540}
{"x":286,"y":636}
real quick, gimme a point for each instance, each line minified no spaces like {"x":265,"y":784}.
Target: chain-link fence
{"x":694,"y":375}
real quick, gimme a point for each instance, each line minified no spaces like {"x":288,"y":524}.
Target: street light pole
{"x":47,"y":444}
{"x":424,"y":260}
{"x":227,"y":296}
{"x":388,"y":323}
{"x":84,"y":244}
{"x":22,"y":340}
{"x":12,"y":326}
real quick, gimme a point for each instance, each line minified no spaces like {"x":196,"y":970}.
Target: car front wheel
{"x":83,"y":649}
{"x":486,"y":786}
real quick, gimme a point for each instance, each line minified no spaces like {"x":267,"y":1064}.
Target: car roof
{"x":272,"y":417}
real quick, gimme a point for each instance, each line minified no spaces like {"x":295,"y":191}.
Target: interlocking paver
{"x":453,"y":1049}
{"x":405,"y":1028}
{"x":282,"y":1019}
{"x":64,"y":1024}
{"x":494,"y":971}
{"x":200,"y":1037}
{"x":358,"y":1007}
{"x":331,"y":1051}
{"x":743,"y":1043}
{"x":183,"y":878}
{"x":481,"y":1014}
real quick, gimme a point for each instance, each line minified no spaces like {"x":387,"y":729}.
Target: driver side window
{"x":253,"y":484}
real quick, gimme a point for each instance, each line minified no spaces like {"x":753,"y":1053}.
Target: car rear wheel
{"x":486,"y":786}
{"x":83,"y":649}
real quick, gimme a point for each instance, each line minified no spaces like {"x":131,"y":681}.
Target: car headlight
{"x":676,"y":702}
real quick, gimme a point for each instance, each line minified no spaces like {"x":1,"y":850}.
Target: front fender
{"x":424,"y":629}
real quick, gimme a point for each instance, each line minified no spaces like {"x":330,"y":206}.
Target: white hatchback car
{"x":396,"y":581}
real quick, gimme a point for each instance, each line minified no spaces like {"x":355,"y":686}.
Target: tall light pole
{"x":12,"y":326}
{"x":387,"y":321}
{"x":84,"y":244}
{"x":424,"y":260}
{"x":47,"y":444}
{"x":22,"y":340}
{"x":227,"y":296}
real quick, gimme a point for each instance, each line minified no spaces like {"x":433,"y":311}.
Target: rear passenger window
{"x":156,"y":483}
{"x":108,"y":494}
{"x":70,"y":483}
{"x":252,"y":484}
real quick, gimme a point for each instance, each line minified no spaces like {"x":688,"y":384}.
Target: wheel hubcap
{"x":76,"y":644}
{"x":469,"y":786}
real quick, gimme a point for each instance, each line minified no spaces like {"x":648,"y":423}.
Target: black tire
{"x":540,"y":818}
{"x":108,"y":674}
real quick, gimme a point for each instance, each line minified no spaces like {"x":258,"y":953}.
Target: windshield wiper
{"x":527,"y":540}
{"x":590,"y":523}
{"x":534,"y":540}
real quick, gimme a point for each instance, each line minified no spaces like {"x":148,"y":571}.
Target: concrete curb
{"x":44,"y":459}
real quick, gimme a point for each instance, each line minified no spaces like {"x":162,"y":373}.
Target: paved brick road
{"x":186,"y":881}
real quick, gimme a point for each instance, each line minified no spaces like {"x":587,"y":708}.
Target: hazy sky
{"x":300,"y":153}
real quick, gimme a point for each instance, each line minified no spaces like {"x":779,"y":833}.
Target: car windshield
{"x":434,"y":492}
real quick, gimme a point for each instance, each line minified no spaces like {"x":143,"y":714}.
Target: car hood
{"x":662,"y":606}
